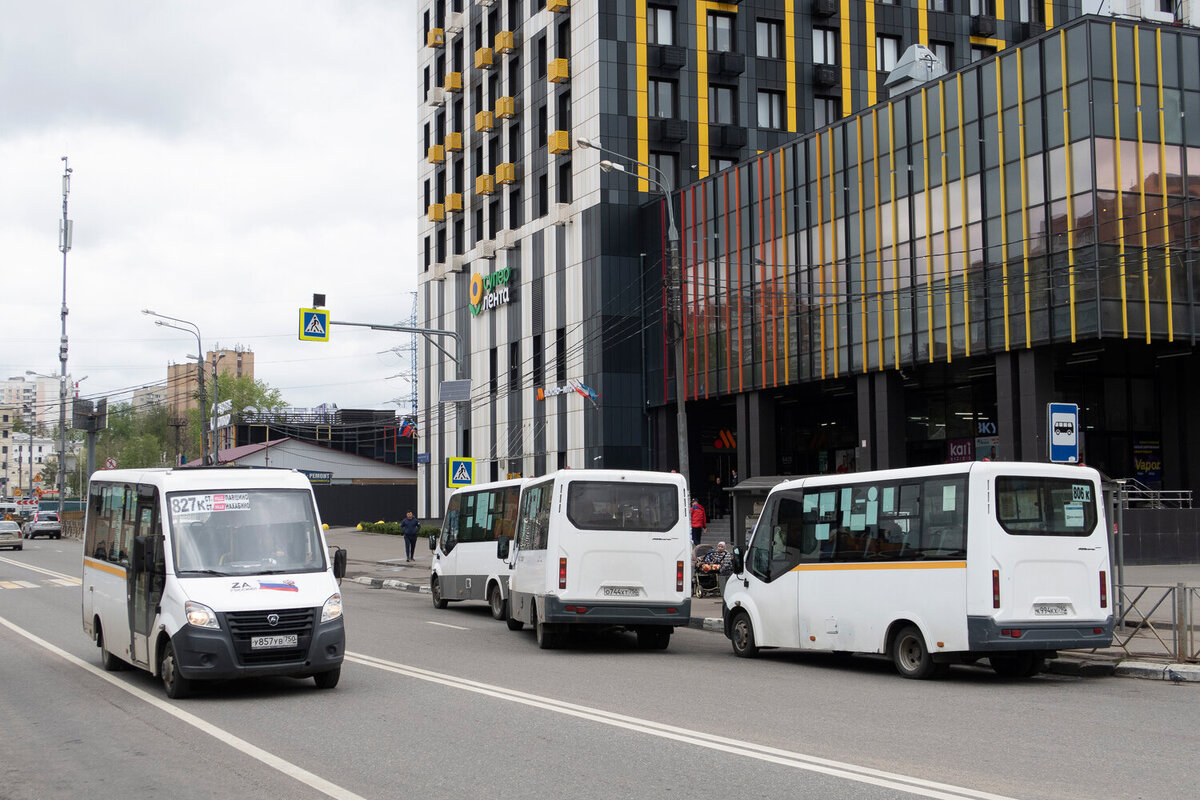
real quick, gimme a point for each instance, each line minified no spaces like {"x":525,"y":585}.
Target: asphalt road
{"x":451,"y":703}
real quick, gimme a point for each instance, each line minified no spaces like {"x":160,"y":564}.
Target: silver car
{"x":10,"y":535}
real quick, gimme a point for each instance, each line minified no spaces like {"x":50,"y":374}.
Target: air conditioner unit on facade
{"x":487,"y":249}
{"x":560,"y":213}
{"x":456,"y":263}
{"x":437,"y":97}
{"x":455,"y":21}
{"x":506,"y":240}
{"x":486,"y":3}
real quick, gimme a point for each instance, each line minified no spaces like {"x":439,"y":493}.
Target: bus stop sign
{"x":1063,"y":426}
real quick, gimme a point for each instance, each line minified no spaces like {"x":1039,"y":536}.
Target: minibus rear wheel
{"x":496,"y":601}
{"x":176,"y":685}
{"x":911,"y":656}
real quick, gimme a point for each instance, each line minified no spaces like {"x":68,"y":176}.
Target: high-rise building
{"x":183,"y":383}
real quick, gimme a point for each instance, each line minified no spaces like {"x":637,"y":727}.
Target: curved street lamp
{"x":192,"y":328}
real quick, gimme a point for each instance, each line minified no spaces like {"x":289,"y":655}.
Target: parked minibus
{"x":211,"y":573}
{"x":930,"y":565}
{"x":601,"y":548}
{"x":465,"y":566}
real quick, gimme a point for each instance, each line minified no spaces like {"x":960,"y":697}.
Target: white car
{"x":10,"y":535}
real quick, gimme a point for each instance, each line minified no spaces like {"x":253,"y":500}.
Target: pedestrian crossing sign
{"x":460,"y":472}
{"x":314,"y":325}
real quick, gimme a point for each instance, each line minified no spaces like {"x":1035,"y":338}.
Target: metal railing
{"x":1135,"y":494}
{"x":1158,"y":621}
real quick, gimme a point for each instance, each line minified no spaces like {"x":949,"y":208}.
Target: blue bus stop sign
{"x":1063,"y":427}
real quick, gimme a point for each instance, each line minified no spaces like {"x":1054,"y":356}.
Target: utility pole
{"x":64,"y":244}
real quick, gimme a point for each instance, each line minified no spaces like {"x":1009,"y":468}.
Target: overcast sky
{"x":230,"y":159}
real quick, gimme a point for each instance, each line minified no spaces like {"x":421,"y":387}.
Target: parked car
{"x":44,"y":523}
{"x":10,"y":534}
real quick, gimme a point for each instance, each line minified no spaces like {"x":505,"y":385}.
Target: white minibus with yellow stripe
{"x":211,"y":573}
{"x":929,"y":565}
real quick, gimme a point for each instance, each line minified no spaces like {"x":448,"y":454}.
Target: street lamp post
{"x":64,"y":245}
{"x":193,"y":329}
{"x":674,"y":290}
{"x":216,"y":458}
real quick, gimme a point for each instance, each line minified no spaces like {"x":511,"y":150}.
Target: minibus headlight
{"x":200,"y":615}
{"x":332,"y":608}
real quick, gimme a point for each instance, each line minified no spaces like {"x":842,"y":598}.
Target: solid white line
{"x":787,"y":758}
{"x":49,"y":572}
{"x":446,"y":625}
{"x":275,"y":762}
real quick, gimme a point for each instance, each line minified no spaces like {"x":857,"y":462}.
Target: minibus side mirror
{"x":339,"y":563}
{"x":433,"y":541}
{"x":739,"y":563}
{"x":502,"y":545}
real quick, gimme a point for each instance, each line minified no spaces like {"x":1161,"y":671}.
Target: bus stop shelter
{"x":747,"y":498}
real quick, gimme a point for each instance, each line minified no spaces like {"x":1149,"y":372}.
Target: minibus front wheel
{"x":435,"y":591}
{"x":174,"y":683}
{"x":328,"y":679}
{"x":107,"y":660}
{"x":741,"y":636}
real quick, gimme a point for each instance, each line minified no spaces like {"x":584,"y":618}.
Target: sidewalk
{"x":377,"y":560}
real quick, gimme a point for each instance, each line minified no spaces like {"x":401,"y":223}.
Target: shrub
{"x":390,"y":528}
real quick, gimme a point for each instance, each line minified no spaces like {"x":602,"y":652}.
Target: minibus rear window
{"x":623,"y":506}
{"x":1030,"y":506}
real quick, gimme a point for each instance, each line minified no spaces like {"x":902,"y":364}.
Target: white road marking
{"x":773,"y":755}
{"x":27,"y":585}
{"x":446,"y":625}
{"x":75,"y":581}
{"x":275,"y":762}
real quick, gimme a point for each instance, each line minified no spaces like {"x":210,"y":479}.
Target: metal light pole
{"x":65,"y":230}
{"x":674,"y":291}
{"x":195,"y":331}
{"x":216,"y":458}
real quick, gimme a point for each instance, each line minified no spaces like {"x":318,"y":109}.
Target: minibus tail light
{"x":1103,"y":589}
{"x":562,"y":573}
{"x":995,"y":588}
{"x":679,"y":576}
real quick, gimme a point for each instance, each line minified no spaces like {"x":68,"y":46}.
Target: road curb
{"x":390,"y":583}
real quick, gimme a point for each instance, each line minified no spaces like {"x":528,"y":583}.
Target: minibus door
{"x":147,"y":573}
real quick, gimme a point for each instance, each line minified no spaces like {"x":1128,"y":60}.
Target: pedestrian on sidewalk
{"x":409,"y":527}
{"x":699,"y":522}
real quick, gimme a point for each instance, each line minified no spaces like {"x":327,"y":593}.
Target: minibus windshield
{"x":244,"y":532}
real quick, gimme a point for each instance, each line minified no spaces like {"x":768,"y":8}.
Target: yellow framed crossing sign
{"x":314,"y":325}
{"x":460,"y":472}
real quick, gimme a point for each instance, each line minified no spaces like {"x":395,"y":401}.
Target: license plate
{"x":621,"y":591}
{"x":1050,"y":609}
{"x":267,"y":642}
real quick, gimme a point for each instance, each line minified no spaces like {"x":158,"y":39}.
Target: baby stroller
{"x":704,"y":584}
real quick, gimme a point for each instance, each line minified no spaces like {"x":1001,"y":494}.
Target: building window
{"x":826,"y":111}
{"x":943,"y":51}
{"x":493,"y":372}
{"x":541,"y":56}
{"x":543,"y":199}
{"x":1030,"y":11}
{"x":981,"y":51}
{"x":668,"y":165}
{"x":718,"y":164}
{"x":516,"y":214}
{"x":543,"y":126}
{"x":562,"y":39}
{"x":722,"y":105}
{"x":769,"y":38}
{"x":563,"y":118}
{"x":563,"y":184}
{"x":539,"y":361}
{"x":560,"y":353}
{"x":514,"y":366}
{"x":661,"y":97}
{"x":937,"y":5}
{"x":983,"y":8}
{"x":660,"y":25}
{"x":770,"y":110}
{"x":720,"y":33}
{"x":825,"y":46}
{"x":887,"y":51}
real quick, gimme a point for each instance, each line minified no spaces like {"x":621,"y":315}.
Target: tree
{"x":245,"y":392}
{"x":136,"y":439}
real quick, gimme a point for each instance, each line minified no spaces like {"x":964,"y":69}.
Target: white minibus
{"x":930,"y":565}
{"x":601,"y":548}
{"x":211,"y":573}
{"x":465,"y":566}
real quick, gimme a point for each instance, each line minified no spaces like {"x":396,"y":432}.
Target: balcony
{"x":505,"y":42}
{"x":437,"y":212}
{"x":454,"y":202}
{"x":436,"y":154}
{"x":825,"y":75}
{"x":506,"y":108}
{"x":484,"y":58}
{"x":485,"y":184}
{"x":560,"y":142}
{"x":435,"y":38}
{"x":453,"y":82}
{"x":454,"y":142}
{"x":560,"y":71}
{"x":668,"y":130}
{"x":558,"y":6}
{"x":824,"y":8}
{"x":670,"y":57}
{"x":485,"y":121}
{"x":982,"y":25}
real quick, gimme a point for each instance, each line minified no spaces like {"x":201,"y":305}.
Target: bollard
{"x":1183,"y":628}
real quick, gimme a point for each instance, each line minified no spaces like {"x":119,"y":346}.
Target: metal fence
{"x":1158,"y":621}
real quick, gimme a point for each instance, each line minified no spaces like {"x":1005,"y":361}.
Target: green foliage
{"x":429,"y":531}
{"x":390,"y":528}
{"x":136,"y":440}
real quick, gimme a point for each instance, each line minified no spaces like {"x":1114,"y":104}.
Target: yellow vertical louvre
{"x":928,"y":224}
{"x":862,"y":249}
{"x":845,"y":60}
{"x":789,"y":53}
{"x":966,"y":217}
{"x":833,"y":239}
{"x":869,"y":22}
{"x":946,"y":225}
{"x":643,"y":106}
{"x":878,"y":238}
{"x":895,"y":237}
{"x":1066,"y":109}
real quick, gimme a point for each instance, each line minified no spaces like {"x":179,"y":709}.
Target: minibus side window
{"x":94,"y":512}
{"x":944,"y":518}
{"x":534,"y":525}
{"x":777,"y":545}
{"x":450,"y":525}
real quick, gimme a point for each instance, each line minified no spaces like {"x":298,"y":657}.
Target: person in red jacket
{"x":699,"y":522}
